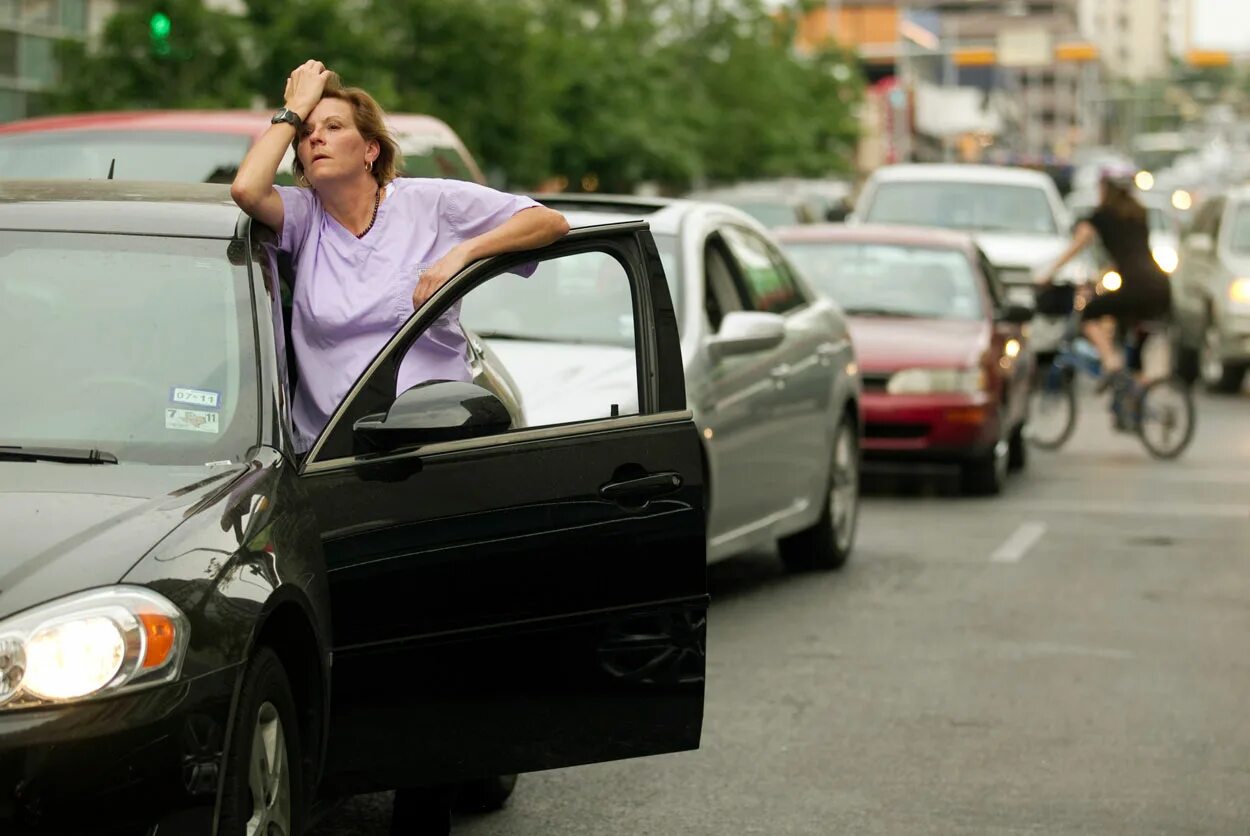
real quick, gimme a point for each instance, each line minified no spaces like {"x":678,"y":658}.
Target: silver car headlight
{"x":1167,"y":258}
{"x":1239,"y":295}
{"x":935,"y":381}
{"x":90,"y":644}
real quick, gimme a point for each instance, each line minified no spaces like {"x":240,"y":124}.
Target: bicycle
{"x":1160,"y":411}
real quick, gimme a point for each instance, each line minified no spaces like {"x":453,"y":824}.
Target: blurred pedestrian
{"x":368,"y":248}
{"x":1119,"y":222}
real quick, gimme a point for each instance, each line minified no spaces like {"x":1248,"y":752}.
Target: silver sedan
{"x":770,"y":376}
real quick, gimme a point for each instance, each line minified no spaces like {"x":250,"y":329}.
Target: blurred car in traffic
{"x":768,"y":369}
{"x":1015,"y":215}
{"x":942,"y":353}
{"x":196,"y":146}
{"x":771,"y":204}
{"x":177,"y":577}
{"x":1211,"y":293}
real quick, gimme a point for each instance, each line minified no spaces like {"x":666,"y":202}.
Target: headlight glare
{"x":1239,"y":293}
{"x":934,"y":381}
{"x":74,"y":658}
{"x":1167,"y":258}
{"x":89,"y":644}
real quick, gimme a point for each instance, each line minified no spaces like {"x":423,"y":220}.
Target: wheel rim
{"x":1212,"y":365}
{"x":1002,"y":451}
{"x":845,"y":490}
{"x":1164,"y":418}
{"x":269,"y":777}
{"x":1050,"y":413}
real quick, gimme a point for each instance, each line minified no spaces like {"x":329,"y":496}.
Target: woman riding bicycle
{"x":1119,"y":222}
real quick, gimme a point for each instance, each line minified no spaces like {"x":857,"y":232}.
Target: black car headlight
{"x":90,"y":644}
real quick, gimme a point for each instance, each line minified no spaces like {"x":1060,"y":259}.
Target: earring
{"x":368,"y":165}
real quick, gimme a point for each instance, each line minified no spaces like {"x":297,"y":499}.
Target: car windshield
{"x":181,"y":156}
{"x":140,"y":346}
{"x":984,"y":207}
{"x":1239,"y":230}
{"x":891,"y":280}
{"x":770,"y":214}
{"x":497,"y":309}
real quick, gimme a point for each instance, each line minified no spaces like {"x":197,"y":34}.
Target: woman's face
{"x":330,"y":146}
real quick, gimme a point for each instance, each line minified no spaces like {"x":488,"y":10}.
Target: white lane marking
{"x":1052,"y":649}
{"x":1147,"y":509}
{"x":1018,"y":544}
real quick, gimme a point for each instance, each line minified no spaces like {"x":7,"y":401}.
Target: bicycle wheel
{"x":1165,"y":417}
{"x":1052,"y":410}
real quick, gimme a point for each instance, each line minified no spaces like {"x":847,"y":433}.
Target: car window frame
{"x":657,"y":398}
{"x":788,"y":277}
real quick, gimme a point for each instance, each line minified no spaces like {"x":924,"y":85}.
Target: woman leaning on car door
{"x":368,"y":250}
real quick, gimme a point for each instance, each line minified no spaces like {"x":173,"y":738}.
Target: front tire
{"x":263,"y":789}
{"x":827,"y":545}
{"x":987,"y":475}
{"x":1017,"y":451}
{"x":485,"y":795}
{"x":1219,"y":376}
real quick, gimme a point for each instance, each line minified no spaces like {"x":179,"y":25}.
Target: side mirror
{"x":839,"y":212}
{"x":1200,"y":242}
{"x":438,"y":410}
{"x":1016,"y":314}
{"x":747,"y":332}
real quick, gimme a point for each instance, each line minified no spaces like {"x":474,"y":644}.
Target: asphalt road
{"x":1068,"y":658}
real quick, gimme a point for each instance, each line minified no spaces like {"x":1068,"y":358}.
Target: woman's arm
{"x":253,"y":187}
{"x":1081,"y":238}
{"x":528,"y":229}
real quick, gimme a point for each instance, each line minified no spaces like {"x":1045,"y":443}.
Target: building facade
{"x":1137,"y":38}
{"x":29,"y":32}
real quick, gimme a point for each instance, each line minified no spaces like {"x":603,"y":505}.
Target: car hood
{"x":887,"y":344}
{"x":1005,"y":249}
{"x":72,"y":527}
{"x":561,"y":382}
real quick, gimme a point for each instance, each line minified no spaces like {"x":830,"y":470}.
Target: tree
{"x":199,"y":61}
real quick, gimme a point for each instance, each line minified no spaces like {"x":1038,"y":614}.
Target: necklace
{"x":377,"y":198}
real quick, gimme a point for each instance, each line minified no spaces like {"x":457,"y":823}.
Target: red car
{"x":943,"y":358}
{"x":193,"y":146}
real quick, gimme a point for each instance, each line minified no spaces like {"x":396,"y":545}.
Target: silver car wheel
{"x":844,"y":493}
{"x":269,"y":777}
{"x":1211,"y":364}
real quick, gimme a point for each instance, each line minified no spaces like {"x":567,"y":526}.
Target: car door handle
{"x":639,"y":491}
{"x":782,"y":371}
{"x":826,"y":350}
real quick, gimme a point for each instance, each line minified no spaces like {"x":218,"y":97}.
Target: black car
{"x":202,"y":631}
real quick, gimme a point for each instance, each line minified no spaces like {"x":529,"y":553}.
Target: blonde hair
{"x":370,"y":120}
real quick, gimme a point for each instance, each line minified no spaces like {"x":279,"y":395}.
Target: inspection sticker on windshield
{"x":203,"y":398}
{"x":192,"y":420}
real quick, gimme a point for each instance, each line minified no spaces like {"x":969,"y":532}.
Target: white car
{"x":1015,"y":214}
{"x":769,"y":368}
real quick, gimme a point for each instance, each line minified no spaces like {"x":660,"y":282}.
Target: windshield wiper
{"x":881,"y":312}
{"x":66,"y":455}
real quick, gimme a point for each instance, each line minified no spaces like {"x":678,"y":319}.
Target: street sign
{"x":1025,"y":47}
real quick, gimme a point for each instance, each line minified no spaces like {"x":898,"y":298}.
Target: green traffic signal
{"x":160,"y":25}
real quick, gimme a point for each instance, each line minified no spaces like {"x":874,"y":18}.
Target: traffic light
{"x":159,"y":27}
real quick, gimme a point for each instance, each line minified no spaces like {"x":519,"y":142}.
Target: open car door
{"x":509,"y":598}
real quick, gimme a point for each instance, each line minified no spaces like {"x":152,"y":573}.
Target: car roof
{"x":946,"y":172}
{"x":200,"y":210}
{"x":912,"y":236}
{"x":251,"y":123}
